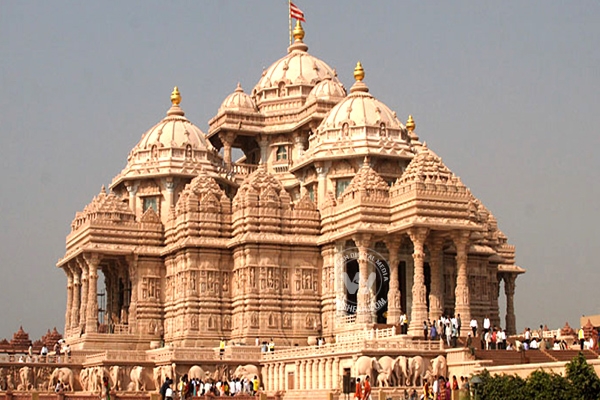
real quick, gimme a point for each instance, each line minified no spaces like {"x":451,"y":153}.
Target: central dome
{"x":296,"y":68}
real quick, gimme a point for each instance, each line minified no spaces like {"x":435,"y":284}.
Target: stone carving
{"x":247,"y":371}
{"x":65,"y":375}
{"x":439,"y":366}
{"x":26,"y":378}
{"x":138,"y":379}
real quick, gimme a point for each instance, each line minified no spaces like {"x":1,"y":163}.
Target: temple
{"x":334,"y":218}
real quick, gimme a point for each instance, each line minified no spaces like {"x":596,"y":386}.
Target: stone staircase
{"x":510,"y":357}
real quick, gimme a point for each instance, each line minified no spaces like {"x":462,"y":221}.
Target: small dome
{"x":296,"y":68}
{"x":238,"y":101}
{"x":327,"y":89}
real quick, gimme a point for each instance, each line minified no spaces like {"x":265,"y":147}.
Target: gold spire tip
{"x":410,"y":124}
{"x":298,"y":32}
{"x":175,"y":96}
{"x":359,"y":72}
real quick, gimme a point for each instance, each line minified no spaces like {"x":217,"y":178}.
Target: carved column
{"x":70,"y":295}
{"x":419,"y":292}
{"x":436,"y":295}
{"x":91,"y":321}
{"x":321,"y":373}
{"x":509,"y":290}
{"x":84,"y":293}
{"x":462,"y":296}
{"x":76,"y":297}
{"x":169,"y":183}
{"x":328,"y":373}
{"x":322,"y":170}
{"x":297,"y":375}
{"x":299,"y":144}
{"x":132,"y":190}
{"x":133,"y":276}
{"x":302,"y":375}
{"x":315,"y":374}
{"x":282,"y":376}
{"x":394,"y":295}
{"x":335,"y":369}
{"x":227,"y":139}
{"x":363,"y":309}
{"x":263,"y":142}
{"x":308,"y":385}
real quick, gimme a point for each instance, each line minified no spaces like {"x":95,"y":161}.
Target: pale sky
{"x":505,"y":92}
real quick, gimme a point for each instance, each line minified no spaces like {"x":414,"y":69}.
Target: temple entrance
{"x":351,"y":281}
{"x":114,"y":298}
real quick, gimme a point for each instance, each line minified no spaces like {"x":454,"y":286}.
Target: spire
{"x":298,"y":34}
{"x":359,"y":75}
{"x":175,"y":100}
{"x":239,"y":89}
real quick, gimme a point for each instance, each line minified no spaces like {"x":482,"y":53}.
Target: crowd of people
{"x":188,"y":388}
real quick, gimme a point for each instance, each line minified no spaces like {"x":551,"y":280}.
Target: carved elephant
{"x":161,"y":373}
{"x":138,"y":379}
{"x":367,"y":366}
{"x":417,"y":368}
{"x":383,"y":379}
{"x":65,"y":375}
{"x":401,"y":370}
{"x":248,"y":371}
{"x":115,"y":377}
{"x":196,"y":371}
{"x":26,"y":377}
{"x":388,"y":366}
{"x":439,"y":367}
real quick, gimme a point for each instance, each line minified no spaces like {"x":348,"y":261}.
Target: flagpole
{"x":290,"y":19}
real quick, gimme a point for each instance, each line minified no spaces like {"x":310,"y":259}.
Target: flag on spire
{"x":296,"y":13}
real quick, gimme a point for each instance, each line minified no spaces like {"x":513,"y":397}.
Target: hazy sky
{"x":505,"y":92}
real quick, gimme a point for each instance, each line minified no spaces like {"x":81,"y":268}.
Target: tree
{"x":506,"y":387}
{"x":541,"y":385}
{"x":584,"y":380}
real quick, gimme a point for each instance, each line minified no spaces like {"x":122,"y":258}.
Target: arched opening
{"x":383,"y":287}
{"x":351,"y":284}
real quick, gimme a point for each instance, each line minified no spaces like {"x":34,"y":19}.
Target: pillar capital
{"x":227,"y":138}
{"x":92,"y":259}
{"x":461,"y":238}
{"x":418,"y":236}
{"x":362,"y":241}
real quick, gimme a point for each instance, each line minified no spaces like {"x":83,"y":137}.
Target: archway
{"x":351,"y":285}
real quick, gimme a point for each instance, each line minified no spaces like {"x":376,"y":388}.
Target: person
{"x":581,"y":337}
{"x":105,"y":388}
{"x":163,"y":389}
{"x":272,"y":346}
{"x":427,"y":393}
{"x":221,"y":348}
{"x":255,"y":385}
{"x":44,"y":352}
{"x":433,"y":333}
{"x":413,"y":395}
{"x":474,"y":327}
{"x":358,"y":390}
{"x":487,"y":324}
{"x":403,"y":324}
{"x":455,"y":387}
{"x":425,"y":329}
{"x":367,"y":391}
{"x":458,"y":323}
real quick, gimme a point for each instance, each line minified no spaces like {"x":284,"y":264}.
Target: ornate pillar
{"x":462,"y":297}
{"x":308,"y":385}
{"x":263,"y":142}
{"x":299,"y":144}
{"x":394,"y":295}
{"x":132,"y":190}
{"x":315,"y":374}
{"x":297,"y":375}
{"x":322,"y":170}
{"x":282,"y":376}
{"x":70,"y":295}
{"x":84,"y":293}
{"x":328,"y":373}
{"x":302,"y":375}
{"x":363,"y":309}
{"x":436,"y":295}
{"x":76,"y":296}
{"x":227,"y":139}
{"x":419,"y":292}
{"x":91,"y":321}
{"x":169,"y":183}
{"x":509,"y":290}
{"x":335,"y":369}
{"x":321,"y":372}
{"x":133,"y":276}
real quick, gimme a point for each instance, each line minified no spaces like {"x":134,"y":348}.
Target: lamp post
{"x":476,"y":385}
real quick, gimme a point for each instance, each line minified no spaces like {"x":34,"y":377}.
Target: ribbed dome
{"x":238,"y":101}
{"x":360,"y":109}
{"x":296,"y":68}
{"x":327,"y":89}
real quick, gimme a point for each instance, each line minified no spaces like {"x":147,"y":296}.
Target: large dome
{"x":296,"y":68}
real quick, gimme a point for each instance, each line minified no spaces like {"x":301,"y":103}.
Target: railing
{"x":280,"y":168}
{"x":243,"y":169}
{"x":345,"y":320}
{"x":365,"y":334}
{"x":113,"y":355}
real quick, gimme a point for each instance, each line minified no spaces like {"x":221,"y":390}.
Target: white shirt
{"x":486,"y":323}
{"x":473,"y":323}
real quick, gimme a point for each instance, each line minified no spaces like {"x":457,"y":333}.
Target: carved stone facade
{"x":335,"y":218}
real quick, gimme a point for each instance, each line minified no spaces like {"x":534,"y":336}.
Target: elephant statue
{"x":65,"y":375}
{"x":417,"y":369}
{"x":26,"y":377}
{"x":138,"y":381}
{"x":114,"y":376}
{"x":388,"y":366}
{"x":248,"y":371}
{"x":84,"y":377}
{"x":401,"y":369}
{"x":161,"y":373}
{"x":367,"y":366}
{"x":196,"y":371}
{"x":439,"y":366}
{"x":383,"y":379}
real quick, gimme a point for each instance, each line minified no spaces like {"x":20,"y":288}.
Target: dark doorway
{"x":427,"y":273}
{"x":383,"y":287}
{"x":351,"y":282}
{"x":402,"y":284}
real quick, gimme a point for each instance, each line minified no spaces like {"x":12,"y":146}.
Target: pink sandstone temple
{"x":306,"y":211}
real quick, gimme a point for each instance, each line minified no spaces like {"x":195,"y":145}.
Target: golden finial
{"x":298,"y":31}
{"x":175,"y":96}
{"x":410,"y":124}
{"x":359,"y":72}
